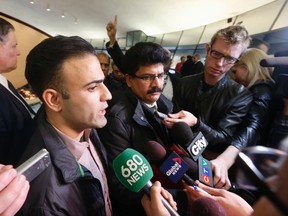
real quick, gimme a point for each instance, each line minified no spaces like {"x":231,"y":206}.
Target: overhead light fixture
{"x":63,"y":15}
{"x":48,"y":8}
{"x":76,"y":21}
{"x":32,"y":2}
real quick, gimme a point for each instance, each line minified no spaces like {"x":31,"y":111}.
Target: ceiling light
{"x":63,"y":15}
{"x":32,"y":2}
{"x":48,"y":8}
{"x":76,"y":21}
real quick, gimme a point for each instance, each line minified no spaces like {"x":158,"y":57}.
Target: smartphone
{"x":35,"y":165}
{"x":160,"y":115}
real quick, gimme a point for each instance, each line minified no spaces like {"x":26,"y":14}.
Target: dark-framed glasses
{"x":227,"y":59}
{"x":151,"y":77}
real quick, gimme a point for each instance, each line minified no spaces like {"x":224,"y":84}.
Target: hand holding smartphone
{"x":35,"y":165}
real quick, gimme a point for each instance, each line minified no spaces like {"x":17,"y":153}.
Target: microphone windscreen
{"x":181,"y":133}
{"x":274,"y":62}
{"x":206,"y":206}
{"x":154,"y":151}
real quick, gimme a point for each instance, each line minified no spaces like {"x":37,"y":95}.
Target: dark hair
{"x":44,"y":62}
{"x":256,"y":42}
{"x":5,"y":27}
{"x":144,"y":54}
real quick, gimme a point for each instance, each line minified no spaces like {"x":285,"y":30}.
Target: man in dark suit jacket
{"x":16,"y":123}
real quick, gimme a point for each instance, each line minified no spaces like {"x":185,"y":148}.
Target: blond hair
{"x":251,"y":59}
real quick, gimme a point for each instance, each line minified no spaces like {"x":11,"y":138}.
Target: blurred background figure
{"x":198,"y":65}
{"x":179,"y":65}
{"x":187,"y":66}
{"x":104,"y":60}
{"x":115,"y":81}
{"x":260,"y":44}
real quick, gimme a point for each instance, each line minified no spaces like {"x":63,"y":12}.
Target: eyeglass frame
{"x":151,"y":77}
{"x":221,"y":55}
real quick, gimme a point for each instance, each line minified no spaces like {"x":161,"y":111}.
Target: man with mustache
{"x":131,"y":120}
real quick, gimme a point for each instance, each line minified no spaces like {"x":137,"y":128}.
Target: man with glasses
{"x":216,"y":104}
{"x":131,"y":120}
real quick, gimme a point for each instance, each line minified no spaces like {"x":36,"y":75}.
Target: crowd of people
{"x":90,"y":115}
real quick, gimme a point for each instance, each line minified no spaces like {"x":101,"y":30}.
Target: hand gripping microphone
{"x":134,"y":172}
{"x":194,"y":146}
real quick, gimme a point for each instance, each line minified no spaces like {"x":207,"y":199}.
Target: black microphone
{"x":274,"y":62}
{"x":172,"y":165}
{"x":194,"y":146}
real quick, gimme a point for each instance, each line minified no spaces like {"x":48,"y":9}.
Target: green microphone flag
{"x":132,"y":169}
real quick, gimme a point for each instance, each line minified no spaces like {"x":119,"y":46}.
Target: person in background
{"x":213,"y":103}
{"x":13,"y":190}
{"x":65,"y":74}
{"x":115,"y":81}
{"x":198,"y":65}
{"x":179,"y":65}
{"x":257,"y":79}
{"x":104,"y":60}
{"x":16,"y":124}
{"x":260,"y":44}
{"x":187,"y":66}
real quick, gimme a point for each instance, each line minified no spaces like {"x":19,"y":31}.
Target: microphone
{"x":194,"y":146}
{"x":134,"y":172}
{"x":172,"y":165}
{"x":274,"y":62}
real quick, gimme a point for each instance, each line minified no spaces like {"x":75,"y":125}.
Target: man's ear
{"x":52,"y":98}
{"x":207,"y":47}
{"x":128,"y":79}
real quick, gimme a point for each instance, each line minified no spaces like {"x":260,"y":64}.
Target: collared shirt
{"x":4,"y":82}
{"x":154,"y":105}
{"x":86,"y":154}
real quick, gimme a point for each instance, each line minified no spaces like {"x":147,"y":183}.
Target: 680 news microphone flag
{"x":134,"y":172}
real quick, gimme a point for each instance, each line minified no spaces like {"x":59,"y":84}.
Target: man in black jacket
{"x":216,"y":104}
{"x":131,"y":119}
{"x":66,"y":75}
{"x":16,"y":124}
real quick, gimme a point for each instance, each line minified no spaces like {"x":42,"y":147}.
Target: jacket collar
{"x":59,"y":153}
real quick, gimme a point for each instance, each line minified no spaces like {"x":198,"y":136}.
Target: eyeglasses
{"x":151,"y":77}
{"x":227,"y":59}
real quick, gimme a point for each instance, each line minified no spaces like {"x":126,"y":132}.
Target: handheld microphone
{"x":134,"y":172}
{"x":274,"y":62}
{"x":194,"y":146}
{"x":173,"y":166}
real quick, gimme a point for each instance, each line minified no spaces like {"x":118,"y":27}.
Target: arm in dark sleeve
{"x":116,"y":54}
{"x":229,"y":122}
{"x":255,"y":123}
{"x":116,"y":138}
